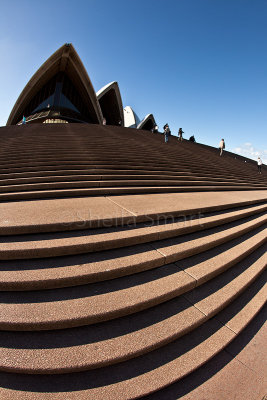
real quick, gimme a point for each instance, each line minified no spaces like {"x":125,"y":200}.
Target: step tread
{"x":69,"y":243}
{"x":78,"y":176}
{"x":121,"y":182}
{"x":120,"y":348}
{"x":109,"y":190}
{"x":175,"y":249}
{"x":122,"y":297}
{"x":180,"y":358}
{"x":89,"y":268}
{"x":94,"y":304}
{"x":91,"y":212}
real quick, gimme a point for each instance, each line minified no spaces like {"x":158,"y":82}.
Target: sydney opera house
{"x":61,"y":92}
{"x":130,"y":268}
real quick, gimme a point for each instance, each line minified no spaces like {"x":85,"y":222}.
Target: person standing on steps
{"x":192,"y":139}
{"x":180,"y":134}
{"x":222,"y":146}
{"x":259,"y":165}
{"x":167,"y":132}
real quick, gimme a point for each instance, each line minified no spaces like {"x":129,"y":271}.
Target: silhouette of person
{"x":259,"y":165}
{"x":192,"y":138}
{"x":222,"y":146}
{"x":180,"y":134}
{"x":167,"y":132}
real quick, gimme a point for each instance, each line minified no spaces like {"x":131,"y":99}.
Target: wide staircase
{"x":41,"y":161}
{"x":129,"y":268}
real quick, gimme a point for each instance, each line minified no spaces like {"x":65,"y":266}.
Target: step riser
{"x":99,"y":359}
{"x":114,"y":305}
{"x":129,"y":221}
{"x":20,"y":283}
{"x":117,"y":191}
{"x":61,"y":248}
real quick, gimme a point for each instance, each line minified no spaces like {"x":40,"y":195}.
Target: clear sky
{"x":196,"y":64}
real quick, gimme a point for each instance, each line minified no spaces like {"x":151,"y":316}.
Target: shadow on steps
{"x":140,"y":365}
{"x":216,"y":364}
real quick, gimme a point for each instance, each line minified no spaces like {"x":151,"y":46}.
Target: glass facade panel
{"x":45,"y":105}
{"x":60,"y":95}
{"x":74,"y":98}
{"x":66,"y":103}
{"x":41,"y":98}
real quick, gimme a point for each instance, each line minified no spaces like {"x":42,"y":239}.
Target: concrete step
{"x":177,"y":248}
{"x":237,"y":372}
{"x":45,"y":194}
{"x":94,"y":303}
{"x":207,"y":301}
{"x":141,"y":159}
{"x":115,"y":183}
{"x":93,"y":171}
{"x":53,"y":177}
{"x":103,"y":212}
{"x":79,"y":270}
{"x":9,"y":167}
{"x":115,"y":166}
{"x":147,"y":373}
{"x":205,"y":266}
{"x":85,"y":165}
{"x":128,"y":163}
{"x":79,"y":242}
{"x":117,"y":297}
{"x":107,"y":150}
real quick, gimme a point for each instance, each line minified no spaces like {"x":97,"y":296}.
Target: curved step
{"x":80,"y":270}
{"x":204,"y":267}
{"x":95,"y":303}
{"x":112,"y":167}
{"x":115,"y":183}
{"x":118,"y":190}
{"x":8,"y":168}
{"x":176,"y":249}
{"x":102,"y":212}
{"x":145,"y":374}
{"x":91,"y":308}
{"x":63,"y":170}
{"x":207,"y":301}
{"x":69,"y":243}
{"x":234,"y":373}
{"x":150,"y":322}
{"x":61,"y":176}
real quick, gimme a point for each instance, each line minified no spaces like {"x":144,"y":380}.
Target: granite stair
{"x":108,"y":295}
{"x":43,"y":166}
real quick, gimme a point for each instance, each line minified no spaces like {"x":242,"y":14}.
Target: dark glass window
{"x":72,"y":98}
{"x":40,"y":100}
{"x":66,"y":103}
{"x":46,"y":104}
{"x":59,"y":94}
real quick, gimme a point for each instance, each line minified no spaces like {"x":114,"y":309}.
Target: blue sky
{"x":196,"y":64}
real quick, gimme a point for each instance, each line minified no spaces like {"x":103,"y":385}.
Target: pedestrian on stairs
{"x":192,"y":139}
{"x":259,"y":165}
{"x":180,"y":134}
{"x":221,"y":146}
{"x":167,"y":132}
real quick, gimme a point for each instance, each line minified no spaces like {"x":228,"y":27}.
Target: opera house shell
{"x":129,"y":268}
